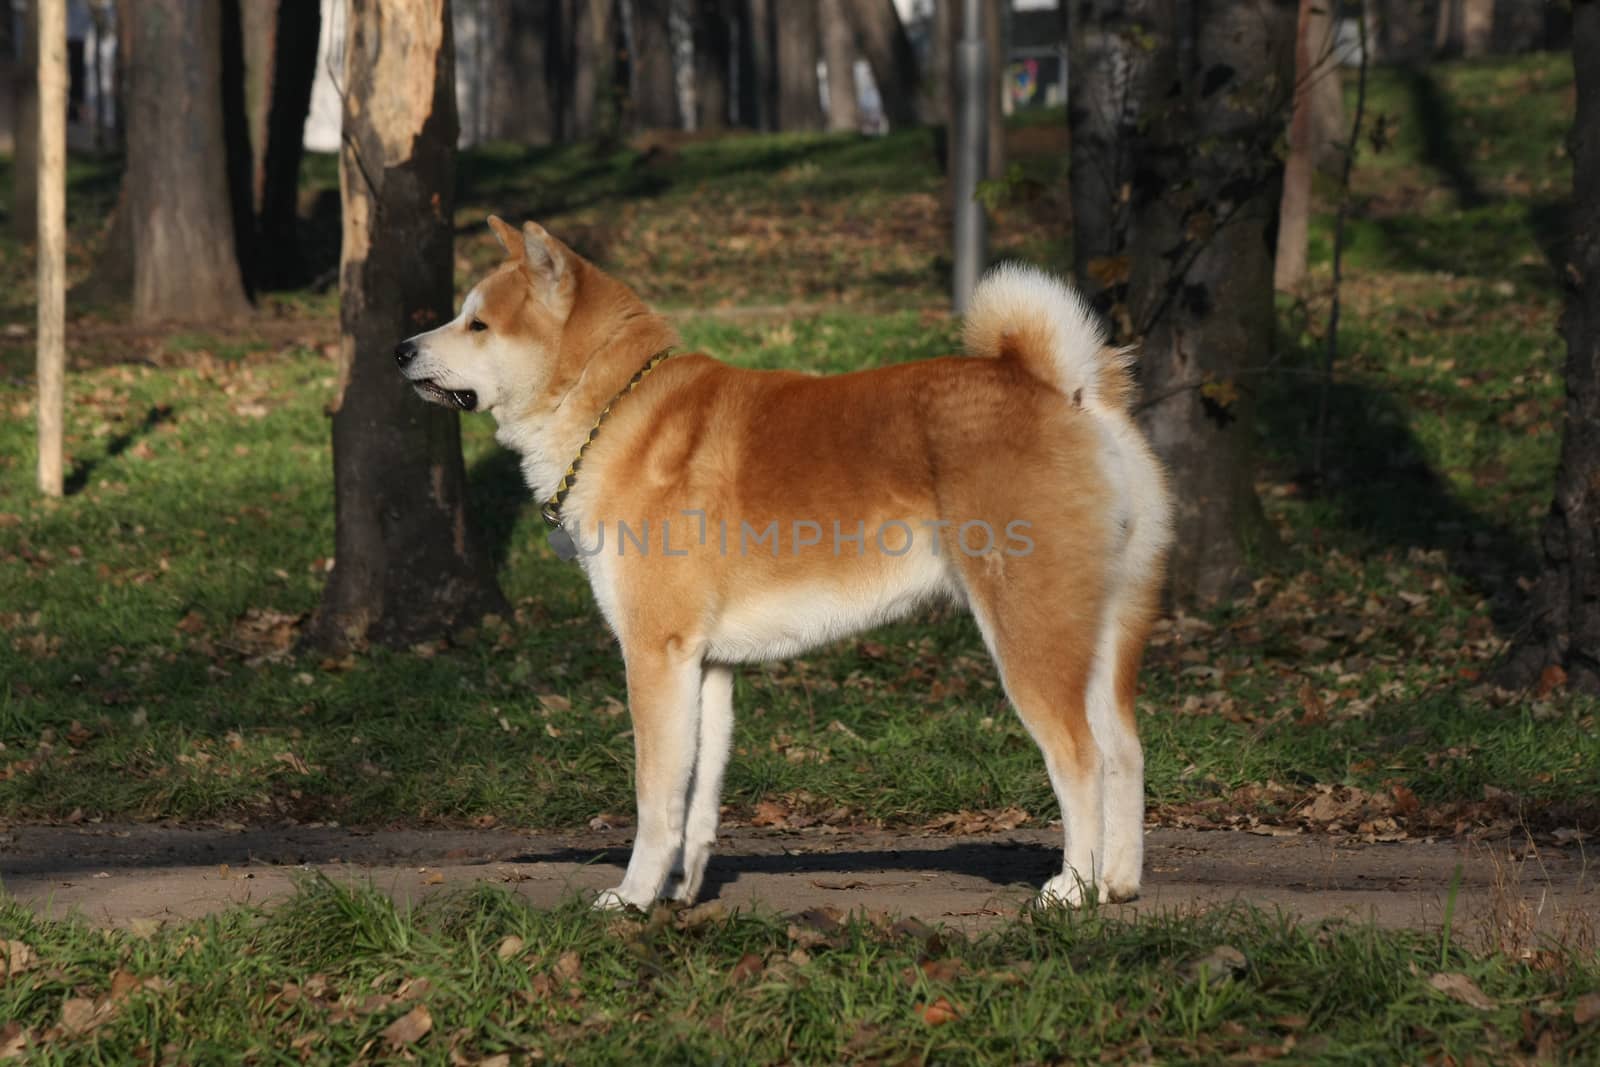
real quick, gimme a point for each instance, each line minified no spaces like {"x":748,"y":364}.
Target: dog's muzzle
{"x":427,"y":388}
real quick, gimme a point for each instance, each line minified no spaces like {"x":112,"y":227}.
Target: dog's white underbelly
{"x":776,"y":623}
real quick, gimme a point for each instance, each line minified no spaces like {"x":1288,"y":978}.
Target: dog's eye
{"x":478,"y":325}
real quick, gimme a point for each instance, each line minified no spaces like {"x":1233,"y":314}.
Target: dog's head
{"x":501,"y":350}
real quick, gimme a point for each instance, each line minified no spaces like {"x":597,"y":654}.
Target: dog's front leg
{"x":664,"y":700}
{"x":705,"y":803}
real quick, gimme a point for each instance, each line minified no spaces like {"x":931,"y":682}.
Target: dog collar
{"x":552,"y":507}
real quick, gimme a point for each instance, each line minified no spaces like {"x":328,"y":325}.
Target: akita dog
{"x":727,"y":516}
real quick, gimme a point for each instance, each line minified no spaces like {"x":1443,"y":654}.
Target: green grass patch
{"x":338,"y":975}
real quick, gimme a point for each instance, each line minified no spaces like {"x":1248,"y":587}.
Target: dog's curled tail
{"x":1022,"y":313}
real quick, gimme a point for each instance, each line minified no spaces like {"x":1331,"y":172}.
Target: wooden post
{"x":52,"y":43}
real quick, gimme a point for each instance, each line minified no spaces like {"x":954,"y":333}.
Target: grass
{"x":148,"y":669}
{"x":338,"y":975}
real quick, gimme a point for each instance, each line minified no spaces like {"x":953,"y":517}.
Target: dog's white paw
{"x":613,"y":900}
{"x":1066,"y":890}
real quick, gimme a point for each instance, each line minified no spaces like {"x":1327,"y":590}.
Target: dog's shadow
{"x":1000,"y":863}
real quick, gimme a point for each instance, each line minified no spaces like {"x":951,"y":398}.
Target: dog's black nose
{"x":404,"y":352}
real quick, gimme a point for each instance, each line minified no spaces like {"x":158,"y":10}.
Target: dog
{"x":727,"y":516}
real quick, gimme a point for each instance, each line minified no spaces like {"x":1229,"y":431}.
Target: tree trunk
{"x":25,"y":154}
{"x":889,"y":53}
{"x":1110,"y":70}
{"x":594,"y":66}
{"x":938,"y":85}
{"x":1294,"y":211}
{"x":520,"y":103}
{"x":1405,"y":28}
{"x":51,"y":225}
{"x":713,"y":59}
{"x":839,"y":52}
{"x":280,"y":63}
{"x":994,"y":36}
{"x":1193,"y":248}
{"x":407,"y":567}
{"x":1562,"y":639}
{"x":799,"y":49}
{"x":655,"y":88}
{"x":185,"y":265}
{"x":758,"y":68}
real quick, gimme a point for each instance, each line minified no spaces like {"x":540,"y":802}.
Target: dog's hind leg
{"x":1043,"y":641}
{"x":705,"y":798}
{"x":664,"y":699}
{"x":1111,"y":714}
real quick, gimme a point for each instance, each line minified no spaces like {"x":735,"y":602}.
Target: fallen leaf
{"x":510,"y":946}
{"x":749,"y":966}
{"x":433,"y":878}
{"x":1458,"y":986}
{"x":938,"y":1013}
{"x":16,"y":957}
{"x":80,"y":1015}
{"x":13,"y":1040}
{"x":569,"y":968}
{"x":409,"y":1028}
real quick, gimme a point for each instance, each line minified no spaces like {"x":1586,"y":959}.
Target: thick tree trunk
{"x":1405,"y":28}
{"x":799,"y":49}
{"x":888,"y":52}
{"x":655,"y":89}
{"x":1110,"y":72}
{"x":713,"y":59}
{"x":839,"y":53}
{"x":25,"y":154}
{"x":1562,"y":639}
{"x":407,"y":567}
{"x":280,"y":63}
{"x":524,"y":77}
{"x":1185,"y":261}
{"x":185,"y":265}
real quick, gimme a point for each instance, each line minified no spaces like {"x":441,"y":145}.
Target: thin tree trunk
{"x":938,"y":89}
{"x":888,"y":52}
{"x":994,"y":35}
{"x":1294,"y":211}
{"x":594,"y":65}
{"x":655,"y":89}
{"x":758,"y":67}
{"x":51,"y":45}
{"x":185,"y":265}
{"x":1562,"y":639}
{"x":25,"y":154}
{"x":407,"y":567}
{"x":280,"y":61}
{"x":839,"y":52}
{"x":713,"y":47}
{"x":799,"y":49}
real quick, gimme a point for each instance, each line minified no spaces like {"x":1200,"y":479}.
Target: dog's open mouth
{"x":431,"y":391}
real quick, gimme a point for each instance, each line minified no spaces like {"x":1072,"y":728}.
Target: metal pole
{"x":971,"y":140}
{"x":52,"y":208}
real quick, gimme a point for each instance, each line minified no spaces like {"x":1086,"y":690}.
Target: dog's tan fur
{"x":1022,"y":433}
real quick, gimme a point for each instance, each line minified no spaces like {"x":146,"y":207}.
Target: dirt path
{"x":118,"y":874}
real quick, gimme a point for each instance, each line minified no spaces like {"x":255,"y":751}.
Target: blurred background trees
{"x":1194,"y":147}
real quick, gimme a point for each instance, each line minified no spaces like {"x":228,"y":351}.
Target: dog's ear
{"x":507,"y":235}
{"x":545,"y":260}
